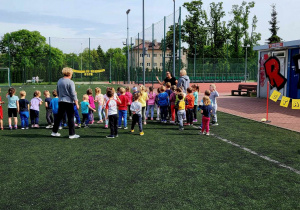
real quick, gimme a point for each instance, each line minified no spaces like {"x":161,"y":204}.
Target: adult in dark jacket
{"x":183,"y":81}
{"x":169,"y":78}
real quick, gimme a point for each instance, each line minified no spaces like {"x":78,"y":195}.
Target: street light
{"x":110,"y":66}
{"x":174,"y":41}
{"x":144,"y":42}
{"x":246,"y":62}
{"x":195,"y":60}
{"x":127,"y":42}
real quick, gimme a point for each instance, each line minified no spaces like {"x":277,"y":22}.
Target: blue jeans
{"x":100,"y":112}
{"x":123,"y":113}
{"x":150,"y":107}
{"x":24,"y":119}
{"x":76,"y":114}
{"x":163,"y":113}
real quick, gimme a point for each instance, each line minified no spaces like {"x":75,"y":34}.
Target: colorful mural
{"x":272,"y":69}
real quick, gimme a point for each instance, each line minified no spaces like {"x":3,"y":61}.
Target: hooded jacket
{"x":184,"y":82}
{"x":163,"y":99}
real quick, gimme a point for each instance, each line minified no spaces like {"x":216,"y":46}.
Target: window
{"x":141,"y":55}
{"x":154,"y":55}
{"x":279,"y":54}
{"x":148,"y":64}
{"x":155,"y":64}
{"x":160,"y":55}
{"x":160,"y":64}
{"x":148,"y":55}
{"x":141,"y":64}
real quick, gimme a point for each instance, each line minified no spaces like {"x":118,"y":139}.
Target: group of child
{"x":115,"y":107}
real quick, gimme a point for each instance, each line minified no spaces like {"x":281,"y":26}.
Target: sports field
{"x":242,"y":165}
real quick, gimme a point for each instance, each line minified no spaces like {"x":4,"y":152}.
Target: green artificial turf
{"x":164,"y":169}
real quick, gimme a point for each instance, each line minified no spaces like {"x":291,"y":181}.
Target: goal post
{"x":5,"y":80}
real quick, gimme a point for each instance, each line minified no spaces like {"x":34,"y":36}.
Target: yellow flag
{"x":275,"y":95}
{"x":296,"y":104}
{"x":285,"y":101}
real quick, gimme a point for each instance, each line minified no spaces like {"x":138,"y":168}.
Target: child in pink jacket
{"x":151,"y":102}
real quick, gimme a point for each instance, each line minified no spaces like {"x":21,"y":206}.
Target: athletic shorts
{"x":12,"y":112}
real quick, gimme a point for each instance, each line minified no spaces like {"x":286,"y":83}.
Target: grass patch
{"x":164,"y":169}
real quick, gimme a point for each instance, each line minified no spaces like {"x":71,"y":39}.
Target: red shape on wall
{"x":272,"y":68}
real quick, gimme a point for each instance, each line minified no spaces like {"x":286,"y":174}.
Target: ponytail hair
{"x":11,"y":91}
{"x":196,"y":87}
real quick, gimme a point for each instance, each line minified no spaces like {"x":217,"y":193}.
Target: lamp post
{"x":81,"y":60}
{"x":144,"y":42}
{"x":174,"y":41}
{"x":128,"y":70}
{"x":195,"y":60}
{"x":246,"y":62}
{"x":110,"y":67}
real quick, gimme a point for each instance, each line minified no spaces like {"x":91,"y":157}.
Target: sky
{"x":70,"y":23}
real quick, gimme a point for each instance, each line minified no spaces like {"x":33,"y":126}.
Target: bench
{"x":30,"y":81}
{"x":243,"y":88}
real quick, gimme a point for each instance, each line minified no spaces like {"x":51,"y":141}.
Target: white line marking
{"x":259,"y":155}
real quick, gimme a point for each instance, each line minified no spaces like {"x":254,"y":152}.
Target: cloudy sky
{"x":69,"y":23}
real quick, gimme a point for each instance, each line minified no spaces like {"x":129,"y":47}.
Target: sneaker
{"x":100,"y":121}
{"x":151,"y":118}
{"x":116,"y":136}
{"x":195,"y":120}
{"x":191,"y":124}
{"x":49,"y":126}
{"x":27,"y":128}
{"x":145,"y":123}
{"x":173,"y":122}
{"x":215,"y":124}
{"x":76,"y":125}
{"x":32,"y":126}
{"x":15,"y":127}
{"x":157,"y":119}
{"x":86,"y":126}
{"x":165,"y":121}
{"x":2,"y":128}
{"x":201,"y":133}
{"x":200,"y":127}
{"x":132,"y":131}
{"x":79,"y":125}
{"x":106,"y":126}
{"x":110,"y":136}
{"x":75,"y":136}
{"x":37,"y":126}
{"x":22,"y":128}
{"x":60,"y":128}
{"x":181,"y":129}
{"x":130,"y":118}
{"x":125,"y":128}
{"x":142,"y":133}
{"x":186,"y":124}
{"x":120,"y":127}
{"x":207,"y":133}
{"x":55,"y":134}
{"x":65,"y":125}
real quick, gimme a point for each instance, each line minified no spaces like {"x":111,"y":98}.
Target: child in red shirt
{"x":1,"y":113}
{"x":190,"y":107}
{"x":123,"y":108}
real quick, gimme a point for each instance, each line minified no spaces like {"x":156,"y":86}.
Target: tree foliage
{"x":274,"y":28}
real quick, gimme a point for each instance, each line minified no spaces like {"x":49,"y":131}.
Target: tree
{"x":195,"y":26}
{"x":274,"y":28}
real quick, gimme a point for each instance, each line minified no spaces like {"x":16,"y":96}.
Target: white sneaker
{"x":125,"y":128}
{"x":130,"y":118}
{"x":74,"y":136}
{"x":55,"y":134}
{"x":207,"y":133}
{"x":172,"y":122}
{"x":119,"y":127}
{"x":60,"y":128}
{"x":49,"y":126}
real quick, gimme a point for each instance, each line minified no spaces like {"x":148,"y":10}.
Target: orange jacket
{"x":190,"y":99}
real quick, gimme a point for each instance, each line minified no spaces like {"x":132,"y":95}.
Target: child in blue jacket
{"x":163,"y":102}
